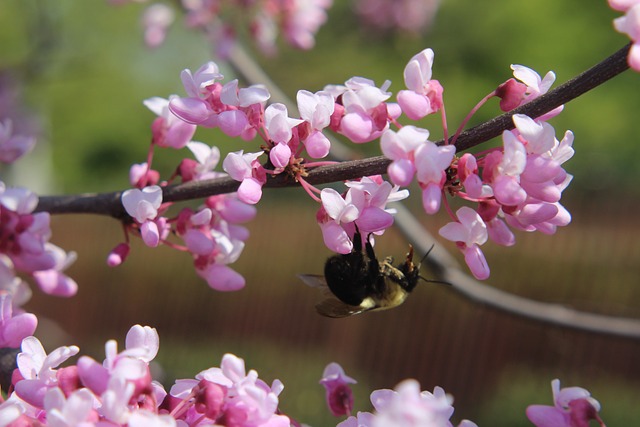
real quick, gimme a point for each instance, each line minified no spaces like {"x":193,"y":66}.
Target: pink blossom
{"x":156,"y":21}
{"x":168,"y":130}
{"x":469,"y":233}
{"x":364,"y":116}
{"x":278,"y":124}
{"x":222,"y":278}
{"x":246,"y":169}
{"x":536,"y":85}
{"x":364,"y":205}
{"x":338,"y":393}
{"x":53,"y":281}
{"x":196,"y":84}
{"x":118,"y":255}
{"x":247,"y":400}
{"x":629,"y":24}
{"x":76,"y":409}
{"x":415,"y":16}
{"x":143,"y":204}
{"x":400,"y":147}
{"x":407,"y":406}
{"x":150,"y":419}
{"x":207,"y":159}
{"x":141,"y":176}
{"x":14,"y":326}
{"x":13,"y":146}
{"x":316,"y":110}
{"x":431,"y":162}
{"x":511,"y":94}
{"x":18,"y":200}
{"x":573,"y":407}
{"x":623,"y":5}
{"x":302,"y":19}
{"x":424,"y":95}
{"x":38,"y":369}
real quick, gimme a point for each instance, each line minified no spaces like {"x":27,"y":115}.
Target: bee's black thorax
{"x":358,"y":275}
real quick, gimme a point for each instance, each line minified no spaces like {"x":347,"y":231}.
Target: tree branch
{"x":109,"y":203}
{"x":445,"y":266}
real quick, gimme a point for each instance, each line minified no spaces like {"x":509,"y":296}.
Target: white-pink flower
{"x":469,"y":233}
{"x":424,"y":95}
{"x":143,"y":204}
{"x":13,"y":146}
{"x":156,"y":21}
{"x":629,"y":24}
{"x":168,"y":130}
{"x":400,"y":147}
{"x":431,"y":162}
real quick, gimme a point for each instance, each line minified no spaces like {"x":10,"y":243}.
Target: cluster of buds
{"x":120,"y":391}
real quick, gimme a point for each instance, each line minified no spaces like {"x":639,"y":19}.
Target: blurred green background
{"x":85,"y":72}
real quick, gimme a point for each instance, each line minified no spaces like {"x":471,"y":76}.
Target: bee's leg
{"x":370,"y":252}
{"x":410,"y":254}
{"x":357,"y":241}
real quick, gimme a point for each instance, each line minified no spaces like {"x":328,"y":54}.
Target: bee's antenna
{"x":427,"y":254}
{"x":440,"y":282}
{"x":431,"y":280}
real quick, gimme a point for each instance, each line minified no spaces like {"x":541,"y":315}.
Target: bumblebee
{"x":357,"y":282}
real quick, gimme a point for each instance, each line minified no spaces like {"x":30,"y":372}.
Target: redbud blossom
{"x":469,"y":233}
{"x":407,"y":406}
{"x":156,"y":21}
{"x":424,"y":96}
{"x":365,"y":115}
{"x":400,"y":147}
{"x":168,"y":130}
{"x":13,"y":146}
{"x":338,"y":393}
{"x":573,"y":407}
{"x":37,"y":369}
{"x":14,"y":327}
{"x":629,"y":24}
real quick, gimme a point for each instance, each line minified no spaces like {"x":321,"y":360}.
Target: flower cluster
{"x":25,"y":247}
{"x":406,"y":406}
{"x":517,"y":185}
{"x":629,"y":24}
{"x":212,"y":233}
{"x":362,"y":207}
{"x":297,"y":20}
{"x":121,"y":392}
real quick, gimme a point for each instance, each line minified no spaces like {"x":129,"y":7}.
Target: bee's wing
{"x":314,"y":280}
{"x":332,"y":307}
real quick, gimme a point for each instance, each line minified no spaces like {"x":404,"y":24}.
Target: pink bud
{"x":511,"y":94}
{"x":317,"y":145}
{"x":209,"y":399}
{"x":118,"y":255}
{"x":476,"y":261}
